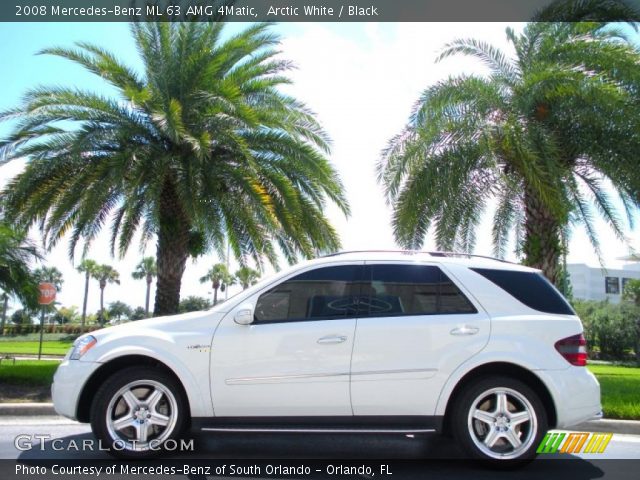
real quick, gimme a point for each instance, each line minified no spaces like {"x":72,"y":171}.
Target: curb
{"x":629,"y":427}
{"x":26,"y":409}
{"x":9,"y":357}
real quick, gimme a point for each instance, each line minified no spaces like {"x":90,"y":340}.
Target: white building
{"x":600,"y":283}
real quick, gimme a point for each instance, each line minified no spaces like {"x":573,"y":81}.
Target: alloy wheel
{"x":141,"y":415}
{"x":502,"y":423}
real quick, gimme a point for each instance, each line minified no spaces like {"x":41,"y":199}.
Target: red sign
{"x":47,"y":293}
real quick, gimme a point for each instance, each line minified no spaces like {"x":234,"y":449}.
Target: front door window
{"x":321,"y":294}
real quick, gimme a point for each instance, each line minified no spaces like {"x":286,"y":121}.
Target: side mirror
{"x":244,"y":315}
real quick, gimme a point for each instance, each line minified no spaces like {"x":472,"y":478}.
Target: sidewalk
{"x":628,"y":427}
{"x":26,"y":409}
{"x":8,"y":357}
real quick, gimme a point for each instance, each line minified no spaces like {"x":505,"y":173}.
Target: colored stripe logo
{"x":563,"y":442}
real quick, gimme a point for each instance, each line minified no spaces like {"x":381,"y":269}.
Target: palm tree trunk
{"x":637,"y":346}
{"x":87,"y":277}
{"x":5,"y":305}
{"x":101,"y":305}
{"x":542,"y":246}
{"x":146,"y":300}
{"x":172,"y":250}
{"x":215,"y":295}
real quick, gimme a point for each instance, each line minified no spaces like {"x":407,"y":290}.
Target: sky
{"x":361,"y":79}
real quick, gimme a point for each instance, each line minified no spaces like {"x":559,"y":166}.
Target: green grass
{"x":620,"y":387}
{"x":58,"y":347}
{"x":28,"y":372}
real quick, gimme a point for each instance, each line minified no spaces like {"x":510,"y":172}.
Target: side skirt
{"x":346,"y":424}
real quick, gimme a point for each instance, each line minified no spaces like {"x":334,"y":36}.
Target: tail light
{"x":573,"y":349}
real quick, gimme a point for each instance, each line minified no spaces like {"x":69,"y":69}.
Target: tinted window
{"x":531,"y":288}
{"x":410,"y":290}
{"x":324,"y":293}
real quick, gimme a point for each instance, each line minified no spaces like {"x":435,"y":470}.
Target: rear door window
{"x":410,"y":290}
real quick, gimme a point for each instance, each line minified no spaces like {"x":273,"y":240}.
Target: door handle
{"x":464,"y":330}
{"x":332,"y":339}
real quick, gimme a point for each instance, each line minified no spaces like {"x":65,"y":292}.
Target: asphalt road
{"x":407,"y":456}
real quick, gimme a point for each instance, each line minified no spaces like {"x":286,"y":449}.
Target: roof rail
{"x":416,"y":252}
{"x":345,"y":252}
{"x":469,"y":255}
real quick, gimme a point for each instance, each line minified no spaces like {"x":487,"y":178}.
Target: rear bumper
{"x":68,"y":382}
{"x":576,"y":394}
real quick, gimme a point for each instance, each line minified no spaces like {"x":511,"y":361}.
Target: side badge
{"x":201,"y":348}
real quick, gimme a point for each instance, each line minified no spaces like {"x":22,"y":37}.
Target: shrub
{"x":67,"y":329}
{"x":611,"y":328}
{"x":194,"y":303}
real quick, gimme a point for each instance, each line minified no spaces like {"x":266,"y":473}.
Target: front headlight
{"x":82,"y":346}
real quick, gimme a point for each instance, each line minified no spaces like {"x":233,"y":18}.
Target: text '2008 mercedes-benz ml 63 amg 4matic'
{"x":372,"y":342}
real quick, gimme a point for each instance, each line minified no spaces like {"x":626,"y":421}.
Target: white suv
{"x":375,"y":342}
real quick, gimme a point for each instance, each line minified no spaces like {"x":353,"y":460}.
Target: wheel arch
{"x":107,"y":369}
{"x":502,"y":368}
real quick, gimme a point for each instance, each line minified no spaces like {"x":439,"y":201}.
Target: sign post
{"x":46,"y":296}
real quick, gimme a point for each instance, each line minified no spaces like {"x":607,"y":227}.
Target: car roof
{"x":454,"y":258}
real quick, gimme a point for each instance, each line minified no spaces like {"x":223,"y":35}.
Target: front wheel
{"x":500,"y":420}
{"x":136,"y":411}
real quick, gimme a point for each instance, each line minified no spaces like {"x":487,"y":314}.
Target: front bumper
{"x":576,"y":394}
{"x":68,"y":383}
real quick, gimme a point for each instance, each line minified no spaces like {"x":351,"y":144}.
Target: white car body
{"x":402,"y":367}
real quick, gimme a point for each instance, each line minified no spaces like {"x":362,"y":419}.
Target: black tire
{"x":494,"y":442}
{"x":159,"y":398}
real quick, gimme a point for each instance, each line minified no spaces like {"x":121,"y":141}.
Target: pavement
{"x":26,"y":409}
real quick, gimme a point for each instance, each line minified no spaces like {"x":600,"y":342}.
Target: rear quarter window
{"x":530,"y":288}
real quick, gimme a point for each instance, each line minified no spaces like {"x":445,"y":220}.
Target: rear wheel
{"x":136,"y":411}
{"x":500,"y":420}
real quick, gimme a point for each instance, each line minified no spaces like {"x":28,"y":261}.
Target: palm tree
{"x":51,"y":275}
{"x":219,"y":277}
{"x":202,"y":147}
{"x":5,"y":305}
{"x":16,"y":255}
{"x":119,"y":309}
{"x":539,"y":136}
{"x":105,"y":274}
{"x":247,"y":276}
{"x":87,"y":266}
{"x":146,"y":269}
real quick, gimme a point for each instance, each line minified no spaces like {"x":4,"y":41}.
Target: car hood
{"x":169,"y":323}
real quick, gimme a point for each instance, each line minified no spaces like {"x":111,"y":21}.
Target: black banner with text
{"x":303,"y":10}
